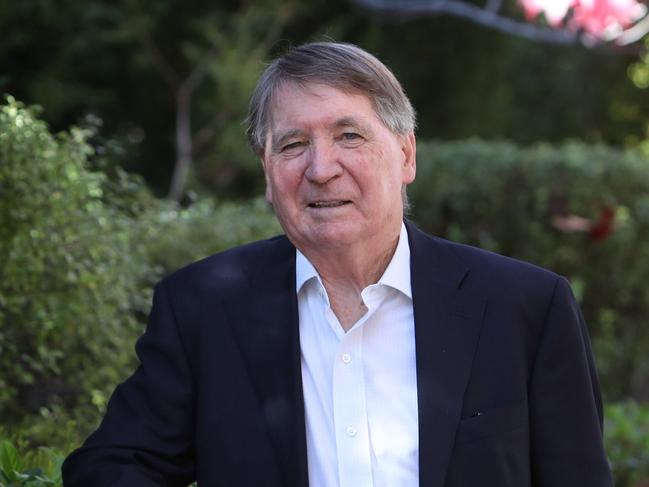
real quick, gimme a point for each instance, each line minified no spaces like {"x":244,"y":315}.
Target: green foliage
{"x":53,"y":426}
{"x":176,"y":236}
{"x":639,"y":71}
{"x":21,"y":471}
{"x":242,"y":39}
{"x":79,"y":252}
{"x":125,"y":61}
{"x":513,"y":199}
{"x":626,"y":432}
{"x":69,"y":269}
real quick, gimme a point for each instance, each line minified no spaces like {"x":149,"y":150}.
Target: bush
{"x":176,"y":236}
{"x":69,"y":270}
{"x":550,"y":205}
{"x":18,"y":470}
{"x":626,"y":431}
{"x":79,"y":253}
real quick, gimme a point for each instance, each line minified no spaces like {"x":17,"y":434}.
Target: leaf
{"x":9,"y":461}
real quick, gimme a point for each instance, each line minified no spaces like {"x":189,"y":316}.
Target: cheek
{"x":285,"y":185}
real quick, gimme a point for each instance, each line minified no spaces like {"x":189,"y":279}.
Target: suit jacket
{"x":507,"y":391}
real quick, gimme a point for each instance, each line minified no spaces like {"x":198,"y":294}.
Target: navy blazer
{"x":507,"y":391}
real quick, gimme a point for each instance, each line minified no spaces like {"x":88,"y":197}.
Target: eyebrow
{"x":351,"y":122}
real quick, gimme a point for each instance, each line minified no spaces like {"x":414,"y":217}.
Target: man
{"x":355,"y":351}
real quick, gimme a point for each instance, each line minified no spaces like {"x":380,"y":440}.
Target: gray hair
{"x":343,"y":66}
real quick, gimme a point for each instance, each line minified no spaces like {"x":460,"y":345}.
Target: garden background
{"x":123,"y":157}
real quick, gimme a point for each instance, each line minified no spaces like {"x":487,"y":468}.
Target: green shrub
{"x":511,"y":199}
{"x":35,"y":469}
{"x":626,"y":432}
{"x":79,"y":252}
{"x":176,"y":236}
{"x":70,"y":270}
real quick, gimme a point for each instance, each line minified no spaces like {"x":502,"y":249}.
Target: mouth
{"x":328,"y":204}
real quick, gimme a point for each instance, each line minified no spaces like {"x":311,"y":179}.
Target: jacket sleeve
{"x":146,"y":438}
{"x":565,"y":401}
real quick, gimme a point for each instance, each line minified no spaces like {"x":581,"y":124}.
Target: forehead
{"x":295,"y":103}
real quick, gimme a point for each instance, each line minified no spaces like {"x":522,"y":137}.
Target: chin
{"x":332,"y":235}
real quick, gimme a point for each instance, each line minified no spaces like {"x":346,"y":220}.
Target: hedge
{"x":79,"y":253}
{"x":580,"y":210}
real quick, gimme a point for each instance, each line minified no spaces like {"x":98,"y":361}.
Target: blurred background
{"x":123,"y":157}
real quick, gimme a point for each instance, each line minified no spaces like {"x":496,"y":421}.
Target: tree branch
{"x":185,"y":142}
{"x":634,"y":34}
{"x":184,"y":145}
{"x":483,"y":16}
{"x":488,"y":16}
{"x":493,"y":5}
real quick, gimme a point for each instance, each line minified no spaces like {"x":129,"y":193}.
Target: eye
{"x":292,"y":147}
{"x":350,"y":136}
{"x":351,"y":139}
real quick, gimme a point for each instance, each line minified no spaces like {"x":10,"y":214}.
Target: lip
{"x":327,"y":204}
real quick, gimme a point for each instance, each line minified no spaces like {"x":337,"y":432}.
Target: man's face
{"x":334,"y":171}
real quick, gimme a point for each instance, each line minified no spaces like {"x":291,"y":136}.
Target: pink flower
{"x":554,"y":10}
{"x":601,"y":19}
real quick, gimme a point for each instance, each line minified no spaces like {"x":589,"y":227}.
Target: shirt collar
{"x":396,"y":275}
{"x":304,"y":270}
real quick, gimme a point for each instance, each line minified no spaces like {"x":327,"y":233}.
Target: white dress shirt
{"x":360,"y":387}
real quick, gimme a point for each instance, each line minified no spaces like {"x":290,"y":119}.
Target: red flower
{"x":603,"y":227}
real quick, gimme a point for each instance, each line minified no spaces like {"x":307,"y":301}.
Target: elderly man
{"x":355,"y":351}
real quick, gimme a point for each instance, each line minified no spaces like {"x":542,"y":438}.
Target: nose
{"x":323,"y":163}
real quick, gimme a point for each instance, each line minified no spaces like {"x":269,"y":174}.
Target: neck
{"x":346,"y":272}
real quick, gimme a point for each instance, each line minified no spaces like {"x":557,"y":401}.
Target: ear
{"x":409,"y":161}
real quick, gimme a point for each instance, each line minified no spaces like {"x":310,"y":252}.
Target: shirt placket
{"x":350,"y":413}
{"x":349,"y":402}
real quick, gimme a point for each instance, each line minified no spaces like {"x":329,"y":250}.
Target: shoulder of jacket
{"x":229,"y":265}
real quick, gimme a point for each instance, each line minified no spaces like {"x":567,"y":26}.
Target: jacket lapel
{"x":447,"y":326}
{"x":270,"y":342}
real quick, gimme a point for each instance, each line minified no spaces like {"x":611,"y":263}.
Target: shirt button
{"x":346,"y":358}
{"x":351,"y":431}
